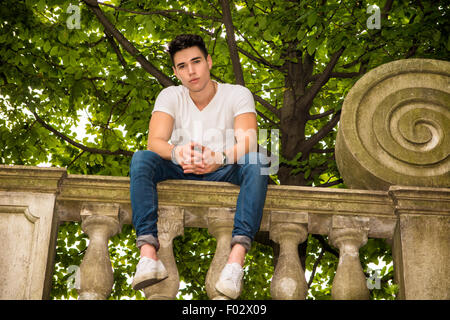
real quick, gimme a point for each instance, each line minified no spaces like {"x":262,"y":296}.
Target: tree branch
{"x":75,"y":159}
{"x":322,"y":78}
{"x":387,"y":7}
{"x":316,"y":263}
{"x":256,"y":59}
{"x":330,"y":184}
{"x":320,"y":115}
{"x":231,"y":41}
{"x":265,"y":118}
{"x":325,"y":245}
{"x":162,"y":12}
{"x":79,"y":145}
{"x":127,"y":45}
{"x":116,"y":49}
{"x":319,"y":135}
{"x":260,"y":58}
{"x":267,"y":105}
{"x":322,"y":150}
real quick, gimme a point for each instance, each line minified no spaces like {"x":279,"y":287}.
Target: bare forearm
{"x":161,"y":147}
{"x":245,"y":144}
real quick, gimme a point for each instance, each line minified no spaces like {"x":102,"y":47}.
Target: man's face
{"x":192,"y":69}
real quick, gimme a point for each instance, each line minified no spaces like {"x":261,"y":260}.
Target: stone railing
{"x":399,"y":195}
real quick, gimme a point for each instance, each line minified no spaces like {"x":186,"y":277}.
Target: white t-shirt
{"x":213,"y":126}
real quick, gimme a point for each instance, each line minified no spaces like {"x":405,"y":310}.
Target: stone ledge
{"x":31,"y":179}
{"x":319,"y":204}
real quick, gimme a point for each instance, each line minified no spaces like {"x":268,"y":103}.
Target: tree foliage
{"x":299,"y":58}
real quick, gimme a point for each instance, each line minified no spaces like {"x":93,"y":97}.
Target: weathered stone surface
{"x":28,"y":228}
{"x":421,"y":248}
{"x":31,"y":179}
{"x":395,"y":125}
{"x":321,"y":203}
{"x":419,"y":216}
{"x":79,"y":189}
{"x":288,"y":230}
{"x":100,"y":221}
{"x":220,"y":225}
{"x":349,"y":234}
{"x":170,"y":225}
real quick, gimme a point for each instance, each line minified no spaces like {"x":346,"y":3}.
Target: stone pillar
{"x":288,"y":230}
{"x":170,"y":225}
{"x":349,"y":234}
{"x":220,"y":225}
{"x":421,"y":246}
{"x":100,"y":221}
{"x":28,"y":230}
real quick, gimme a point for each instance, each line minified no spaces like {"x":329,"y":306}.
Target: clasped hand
{"x":197,"y":159}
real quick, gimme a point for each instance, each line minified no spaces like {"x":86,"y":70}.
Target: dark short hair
{"x":184,"y":41}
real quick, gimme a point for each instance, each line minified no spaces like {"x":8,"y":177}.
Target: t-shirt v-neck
{"x":211,"y":104}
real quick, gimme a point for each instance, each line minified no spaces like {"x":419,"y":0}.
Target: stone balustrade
{"x":34,"y":200}
{"x":392,"y":150}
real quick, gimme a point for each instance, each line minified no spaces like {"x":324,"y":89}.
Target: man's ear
{"x":175,"y":72}
{"x":209,"y":60}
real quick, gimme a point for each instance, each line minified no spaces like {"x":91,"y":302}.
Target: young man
{"x":189,"y":138}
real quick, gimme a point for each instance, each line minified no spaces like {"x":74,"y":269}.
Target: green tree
{"x":299,"y":58}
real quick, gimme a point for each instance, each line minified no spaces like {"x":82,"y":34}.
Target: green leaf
{"x":41,"y":5}
{"x":54,"y":51}
{"x":311,"y":47}
{"x":47,"y":46}
{"x":108,"y":84}
{"x":63,"y":36}
{"x":311,"y":20}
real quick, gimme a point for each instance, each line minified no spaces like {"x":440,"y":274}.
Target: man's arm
{"x":246,"y":141}
{"x":159,"y":132}
{"x":245,"y":127}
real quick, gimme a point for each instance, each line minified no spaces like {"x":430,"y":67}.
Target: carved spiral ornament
{"x":395,"y":127}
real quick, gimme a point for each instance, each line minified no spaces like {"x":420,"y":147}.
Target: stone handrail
{"x":392,"y":149}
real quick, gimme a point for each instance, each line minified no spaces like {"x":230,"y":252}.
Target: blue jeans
{"x":148,"y":168}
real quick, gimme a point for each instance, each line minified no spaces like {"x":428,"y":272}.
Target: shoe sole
{"x":227,"y":292}
{"x":148,"y":282}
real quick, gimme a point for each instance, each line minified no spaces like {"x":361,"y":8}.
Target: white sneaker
{"x":230,"y":280}
{"x":148,"y":272}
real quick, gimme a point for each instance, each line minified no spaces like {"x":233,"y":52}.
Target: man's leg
{"x":249,"y":209}
{"x":146,"y":170}
{"x":247,"y":173}
{"x":250,"y":203}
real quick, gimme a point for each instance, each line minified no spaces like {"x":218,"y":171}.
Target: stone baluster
{"x":349,"y":234}
{"x":288,"y":230}
{"x":220,"y":225}
{"x":170,"y":225}
{"x":100,"y":221}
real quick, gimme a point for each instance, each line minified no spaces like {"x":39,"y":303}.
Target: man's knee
{"x":254,"y":158}
{"x":143,"y":158}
